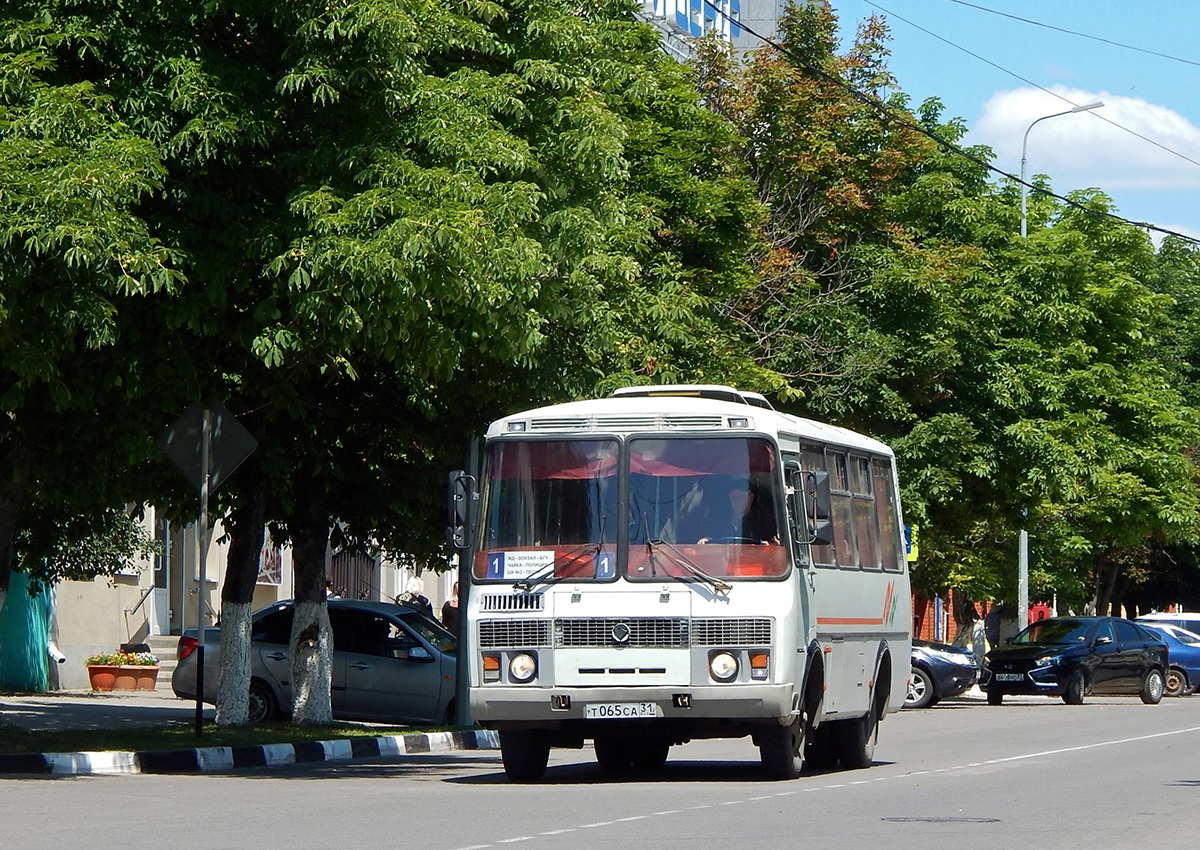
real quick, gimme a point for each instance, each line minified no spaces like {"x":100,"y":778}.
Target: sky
{"x":999,"y":74}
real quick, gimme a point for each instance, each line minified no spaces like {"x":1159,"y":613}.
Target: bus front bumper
{"x":733,"y":702}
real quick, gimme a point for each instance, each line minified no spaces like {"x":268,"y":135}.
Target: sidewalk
{"x":118,"y":709}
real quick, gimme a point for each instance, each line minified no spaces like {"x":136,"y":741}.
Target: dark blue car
{"x":1072,"y":657}
{"x":939,"y":671}
{"x":1183,"y":651}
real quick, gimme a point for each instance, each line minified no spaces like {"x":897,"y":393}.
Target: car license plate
{"x":610,"y":710}
{"x":1010,"y":677}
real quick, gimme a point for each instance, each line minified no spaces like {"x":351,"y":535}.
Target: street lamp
{"x":1025,"y":142}
{"x":1023,"y":538}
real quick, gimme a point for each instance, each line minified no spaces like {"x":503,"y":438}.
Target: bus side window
{"x":812,"y":458}
{"x":888,"y":519}
{"x":843,"y":513}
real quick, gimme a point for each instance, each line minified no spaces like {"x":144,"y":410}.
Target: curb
{"x":215,"y":759}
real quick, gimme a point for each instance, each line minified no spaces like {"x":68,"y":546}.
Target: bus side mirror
{"x":816,"y":492}
{"x":818,"y":507}
{"x":458,"y":499}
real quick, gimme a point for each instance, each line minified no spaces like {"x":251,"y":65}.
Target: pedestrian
{"x":450,"y":613}
{"x":414,"y":594}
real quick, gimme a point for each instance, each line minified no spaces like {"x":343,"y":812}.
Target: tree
{"x":72,"y":249}
{"x":381,"y":209}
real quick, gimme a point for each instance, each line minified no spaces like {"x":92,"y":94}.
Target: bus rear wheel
{"x":856,"y":740}
{"x":525,"y":753}
{"x":781,"y":749}
{"x":613,"y":753}
{"x":651,"y":755}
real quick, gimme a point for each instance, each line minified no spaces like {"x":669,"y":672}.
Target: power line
{"x":901,"y":120}
{"x":1078,"y":34}
{"x":1016,"y":76}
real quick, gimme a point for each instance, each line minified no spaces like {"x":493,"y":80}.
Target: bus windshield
{"x":550,"y":507}
{"x":704,"y":504}
{"x":696,"y":506}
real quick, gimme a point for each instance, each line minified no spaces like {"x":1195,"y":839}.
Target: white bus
{"x":675,"y":563}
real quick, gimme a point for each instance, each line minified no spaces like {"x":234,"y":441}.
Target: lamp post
{"x":1023,"y":538}
{"x":1025,"y":143}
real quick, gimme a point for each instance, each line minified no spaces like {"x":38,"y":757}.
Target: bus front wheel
{"x":525,"y":753}
{"x":781,"y":749}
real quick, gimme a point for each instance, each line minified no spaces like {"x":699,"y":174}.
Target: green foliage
{"x":82,"y":547}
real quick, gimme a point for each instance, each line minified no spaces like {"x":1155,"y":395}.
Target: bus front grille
{"x":495,"y":634}
{"x":744,"y":631}
{"x":512,"y":602}
{"x":622,"y":631}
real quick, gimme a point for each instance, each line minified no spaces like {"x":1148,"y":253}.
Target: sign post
{"x":206,"y":445}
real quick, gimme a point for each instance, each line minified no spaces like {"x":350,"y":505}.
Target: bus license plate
{"x":611,"y":710}
{"x":1009,"y":677}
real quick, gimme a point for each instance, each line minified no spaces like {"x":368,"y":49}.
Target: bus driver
{"x":739,"y":518}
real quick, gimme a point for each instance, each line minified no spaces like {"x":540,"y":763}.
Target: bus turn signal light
{"x":491,"y":668}
{"x":758,"y":665}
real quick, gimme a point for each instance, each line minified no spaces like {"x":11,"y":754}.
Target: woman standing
{"x":450,"y":612}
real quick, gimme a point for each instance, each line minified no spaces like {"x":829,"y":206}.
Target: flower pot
{"x":102,"y":676}
{"x":147,"y":677}
{"x":122,"y":677}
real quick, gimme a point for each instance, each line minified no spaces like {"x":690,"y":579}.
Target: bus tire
{"x":856,"y":739}
{"x":613,"y":753}
{"x":820,"y":751}
{"x":525,"y":753}
{"x":651,"y":755}
{"x":781,"y":749}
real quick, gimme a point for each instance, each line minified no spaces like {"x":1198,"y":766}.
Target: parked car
{"x":1189,"y":621}
{"x":1183,"y":654}
{"x":1072,"y":657}
{"x":939,"y":671}
{"x":391,"y":663}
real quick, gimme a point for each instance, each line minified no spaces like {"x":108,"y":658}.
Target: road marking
{"x":832,"y":786}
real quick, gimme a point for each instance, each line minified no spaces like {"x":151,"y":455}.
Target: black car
{"x":1072,"y":657}
{"x":939,"y":671}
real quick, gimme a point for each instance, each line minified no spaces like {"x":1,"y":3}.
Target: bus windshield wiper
{"x":693,"y":571}
{"x":546,"y":574}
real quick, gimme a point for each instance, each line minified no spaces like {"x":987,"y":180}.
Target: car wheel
{"x":1175,"y":684}
{"x":1152,"y":687}
{"x":995,"y":698}
{"x":1076,"y":688}
{"x":263,"y":707}
{"x":920,"y":689}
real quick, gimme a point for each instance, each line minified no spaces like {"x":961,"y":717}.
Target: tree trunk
{"x":1105,"y":571}
{"x":312,"y":638}
{"x":247,"y":534}
{"x":14,"y":483}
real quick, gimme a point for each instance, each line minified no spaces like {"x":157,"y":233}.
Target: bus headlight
{"x":522,"y":667}
{"x":723,"y":666}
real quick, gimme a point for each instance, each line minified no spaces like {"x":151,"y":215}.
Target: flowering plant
{"x":135,"y":659}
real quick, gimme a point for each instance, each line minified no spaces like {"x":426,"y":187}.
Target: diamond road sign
{"x":230,"y":444}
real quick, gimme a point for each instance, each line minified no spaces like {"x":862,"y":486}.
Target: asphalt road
{"x":1033,"y":772}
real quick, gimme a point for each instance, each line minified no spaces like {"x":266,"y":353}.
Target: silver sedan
{"x":391,"y":663}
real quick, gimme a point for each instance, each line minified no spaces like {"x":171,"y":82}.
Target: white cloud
{"x":1091,"y":149}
